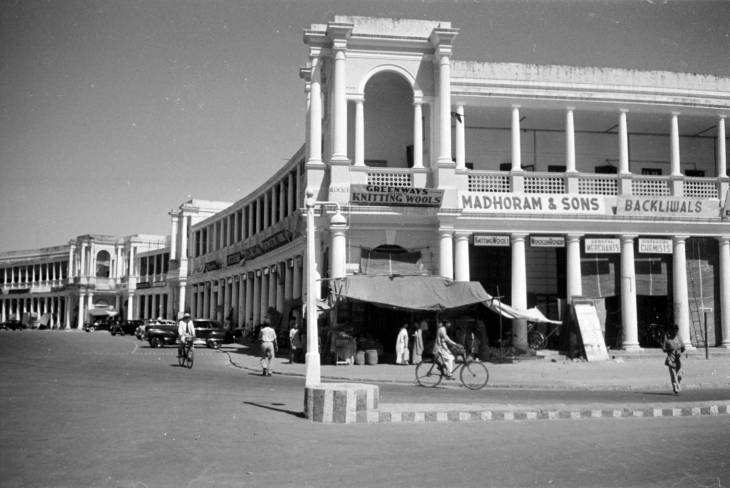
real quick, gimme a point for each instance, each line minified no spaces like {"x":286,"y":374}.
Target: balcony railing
{"x":489,"y":181}
{"x":701,"y":188}
{"x":596,"y":184}
{"x":402,"y":177}
{"x":544,"y":183}
{"x":654,"y":186}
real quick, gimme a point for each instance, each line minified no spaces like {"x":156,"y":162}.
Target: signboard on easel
{"x":589,"y":326}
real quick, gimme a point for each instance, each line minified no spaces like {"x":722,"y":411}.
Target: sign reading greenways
{"x":395,"y":196}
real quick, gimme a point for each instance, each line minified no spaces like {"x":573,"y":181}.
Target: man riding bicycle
{"x":441,"y":352}
{"x":186,"y":332}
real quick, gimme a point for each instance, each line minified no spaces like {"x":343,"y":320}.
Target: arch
{"x":392,"y":68}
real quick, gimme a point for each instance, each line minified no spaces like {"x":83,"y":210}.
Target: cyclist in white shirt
{"x":185,"y":330}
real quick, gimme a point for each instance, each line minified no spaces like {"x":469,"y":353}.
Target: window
{"x":651,"y":171}
{"x":469,"y":164}
{"x":376,"y":163}
{"x":505,"y":166}
{"x":103,"y":260}
{"x":698,"y":173}
{"x":556,"y":168}
{"x":606,"y":169}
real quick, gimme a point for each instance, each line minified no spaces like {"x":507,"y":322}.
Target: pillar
{"x":181,"y":298}
{"x":461,"y":256}
{"x":271,"y":295}
{"x":724,"y":251}
{"x":82,"y":266}
{"x":249,"y":298}
{"x":82,"y":311}
{"x":446,"y":254}
{"x":173,"y":235}
{"x":519,"y":289}
{"x":315,"y":116}
{"x":623,"y":143}
{"x":130,"y":306}
{"x":280,"y":288}
{"x":282,"y":200}
{"x":516,"y":149}
{"x":721,"y":149}
{"x":219,"y":304}
{"x":674,"y":142}
{"x":574,"y":280}
{"x":569,"y":141}
{"x":339,"y":104}
{"x":338,"y":250}
{"x":459,"y":140}
{"x":629,"y":321}
{"x":297,"y":278}
{"x":290,"y":194}
{"x":680,"y":289}
{"x":206,"y":301}
{"x":288,"y":282}
{"x":417,"y":134}
{"x":359,"y":132}
{"x":257,"y":298}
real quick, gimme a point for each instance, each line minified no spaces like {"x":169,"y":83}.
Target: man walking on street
{"x":267,"y":336}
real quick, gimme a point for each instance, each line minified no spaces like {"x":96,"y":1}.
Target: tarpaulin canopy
{"x":412,"y":292}
{"x":426,"y":293}
{"x":102,"y":312}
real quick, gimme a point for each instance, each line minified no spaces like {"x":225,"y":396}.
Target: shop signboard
{"x":233,"y":258}
{"x":143,"y":285}
{"x":491,"y":241}
{"x":395,"y":196}
{"x":212,"y":266}
{"x":667,"y":207}
{"x":18,"y":291}
{"x":655,"y":246}
{"x":543,"y":204}
{"x":547,"y":241}
{"x":590,"y":329}
{"x":602,"y":246}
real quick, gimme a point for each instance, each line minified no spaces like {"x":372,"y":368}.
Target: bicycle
{"x":188,"y":355}
{"x":472,"y":374}
{"x":536,"y":339}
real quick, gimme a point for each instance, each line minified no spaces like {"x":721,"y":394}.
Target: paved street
{"x":94,"y":410}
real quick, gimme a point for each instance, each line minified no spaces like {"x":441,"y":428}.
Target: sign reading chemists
{"x":395,"y":195}
{"x":558,"y":204}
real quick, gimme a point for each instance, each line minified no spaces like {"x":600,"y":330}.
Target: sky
{"x":112,"y":112}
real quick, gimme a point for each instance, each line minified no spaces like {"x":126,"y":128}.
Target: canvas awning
{"x":102,"y":312}
{"x":426,"y":293}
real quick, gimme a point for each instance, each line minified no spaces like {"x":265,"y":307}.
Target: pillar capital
{"x":723,"y":239}
{"x":573,"y":237}
{"x":628,"y":237}
{"x":680,"y":238}
{"x":462,"y":234}
{"x":518,"y":236}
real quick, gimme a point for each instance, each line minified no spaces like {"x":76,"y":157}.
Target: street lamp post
{"x":311,"y":359}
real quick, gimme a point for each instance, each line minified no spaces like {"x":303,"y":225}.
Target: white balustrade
{"x":701,"y":188}
{"x":489,"y":181}
{"x":596,"y":184}
{"x":544,"y":183}
{"x":402,"y":177}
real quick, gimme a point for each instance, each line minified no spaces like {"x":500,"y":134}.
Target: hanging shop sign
{"x":602,"y":246}
{"x":547,"y":241}
{"x":395,"y":196}
{"x":491,"y":241}
{"x":18,"y":291}
{"x":58,"y":288}
{"x":663,"y":207}
{"x":234,"y":258}
{"x":212,"y":266}
{"x":544,"y":204}
{"x":143,"y":285}
{"x":655,"y":246}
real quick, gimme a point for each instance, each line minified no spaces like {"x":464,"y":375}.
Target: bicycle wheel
{"x":474,"y":375}
{"x":535,"y":339}
{"x":190,"y":357}
{"x":428,"y":374}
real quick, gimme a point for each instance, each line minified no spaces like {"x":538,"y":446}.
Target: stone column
{"x":629,"y":321}
{"x":569,"y":141}
{"x":82,"y":266}
{"x":418,"y":134}
{"x":249,"y":298}
{"x":724,"y":252}
{"x":280,"y":289}
{"x":272,"y":287}
{"x":359,"y":132}
{"x":257,"y":297}
{"x":459,"y":140}
{"x":130,"y":305}
{"x":282,"y":200}
{"x":516,"y":149}
{"x":674,"y":139}
{"x":519,"y":289}
{"x":574,"y":280}
{"x":173,"y":235}
{"x":82,"y":311}
{"x":297,"y":278}
{"x":206,"y":300}
{"x":338,"y":251}
{"x":315,"y":116}
{"x":680,"y":289}
{"x":623,"y":143}
{"x":220,"y":308}
{"x":444,"y":105}
{"x":339,"y":103}
{"x":288,"y":282}
{"x":461,"y":253}
{"x":250,"y":219}
{"x":446,"y":254}
{"x":721,"y":150}
{"x":290,"y":194}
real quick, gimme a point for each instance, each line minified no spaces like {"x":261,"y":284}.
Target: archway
{"x":388,"y":112}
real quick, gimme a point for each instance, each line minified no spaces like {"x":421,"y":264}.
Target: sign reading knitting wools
{"x":662,"y":207}
{"x":602,"y":246}
{"x":545,"y":204}
{"x":655,"y":246}
{"x":395,"y":196}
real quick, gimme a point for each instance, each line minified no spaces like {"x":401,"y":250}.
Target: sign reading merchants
{"x":395,"y":196}
{"x":602,"y":246}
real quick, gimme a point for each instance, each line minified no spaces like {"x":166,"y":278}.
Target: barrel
{"x":371,"y":356}
{"x":360,"y":358}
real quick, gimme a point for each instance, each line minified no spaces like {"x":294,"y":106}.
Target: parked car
{"x":125,"y":327}
{"x":208,"y":333}
{"x":12,"y":325}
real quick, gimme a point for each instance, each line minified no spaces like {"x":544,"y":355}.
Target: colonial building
{"x":544,"y":183}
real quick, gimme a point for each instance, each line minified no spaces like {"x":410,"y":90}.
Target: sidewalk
{"x":645,"y":373}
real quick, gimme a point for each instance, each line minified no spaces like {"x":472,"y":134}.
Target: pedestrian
{"x":267,"y":336}
{"x":401,"y":345}
{"x":295,"y":341}
{"x":674,"y":349}
{"x":418,"y":342}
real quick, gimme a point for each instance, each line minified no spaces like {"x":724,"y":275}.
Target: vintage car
{"x":207,"y":332}
{"x":125,"y":327}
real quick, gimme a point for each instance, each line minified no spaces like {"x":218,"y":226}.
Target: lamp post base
{"x":313,"y":369}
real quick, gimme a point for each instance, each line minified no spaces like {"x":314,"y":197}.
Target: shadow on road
{"x":273,"y":407}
